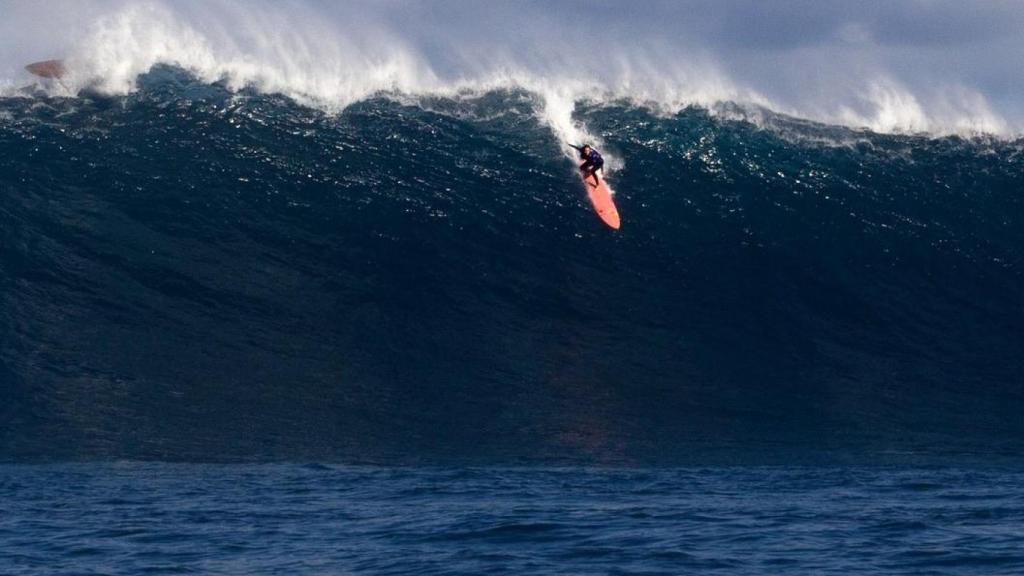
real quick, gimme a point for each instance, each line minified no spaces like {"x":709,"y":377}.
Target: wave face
{"x":192,"y":273}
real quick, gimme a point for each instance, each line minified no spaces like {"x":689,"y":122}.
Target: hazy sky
{"x":897,"y":64}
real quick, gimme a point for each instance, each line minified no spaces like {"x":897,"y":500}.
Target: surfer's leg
{"x":586,"y":169}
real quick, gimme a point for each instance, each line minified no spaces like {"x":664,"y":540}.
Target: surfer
{"x":592,"y":162}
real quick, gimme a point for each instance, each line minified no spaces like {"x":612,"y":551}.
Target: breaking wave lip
{"x":332,"y":56}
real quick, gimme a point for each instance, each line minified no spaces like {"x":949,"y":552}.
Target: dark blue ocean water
{"x":188,"y":273}
{"x":135,"y":518}
{"x":802,"y":353}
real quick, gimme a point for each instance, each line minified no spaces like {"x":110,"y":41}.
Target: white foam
{"x":331,"y":55}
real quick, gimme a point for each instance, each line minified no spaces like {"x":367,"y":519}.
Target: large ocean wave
{"x":190,"y":271}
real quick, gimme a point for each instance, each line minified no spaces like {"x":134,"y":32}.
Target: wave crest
{"x":330,"y":56}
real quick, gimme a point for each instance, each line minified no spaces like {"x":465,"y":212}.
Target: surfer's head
{"x":586,"y":148}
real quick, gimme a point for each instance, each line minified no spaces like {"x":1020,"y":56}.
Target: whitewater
{"x":668,"y":56}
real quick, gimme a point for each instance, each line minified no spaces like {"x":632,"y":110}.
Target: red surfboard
{"x":47,"y":68}
{"x":601,"y":197}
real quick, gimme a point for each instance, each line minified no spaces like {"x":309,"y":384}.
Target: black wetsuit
{"x":591,"y":162}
